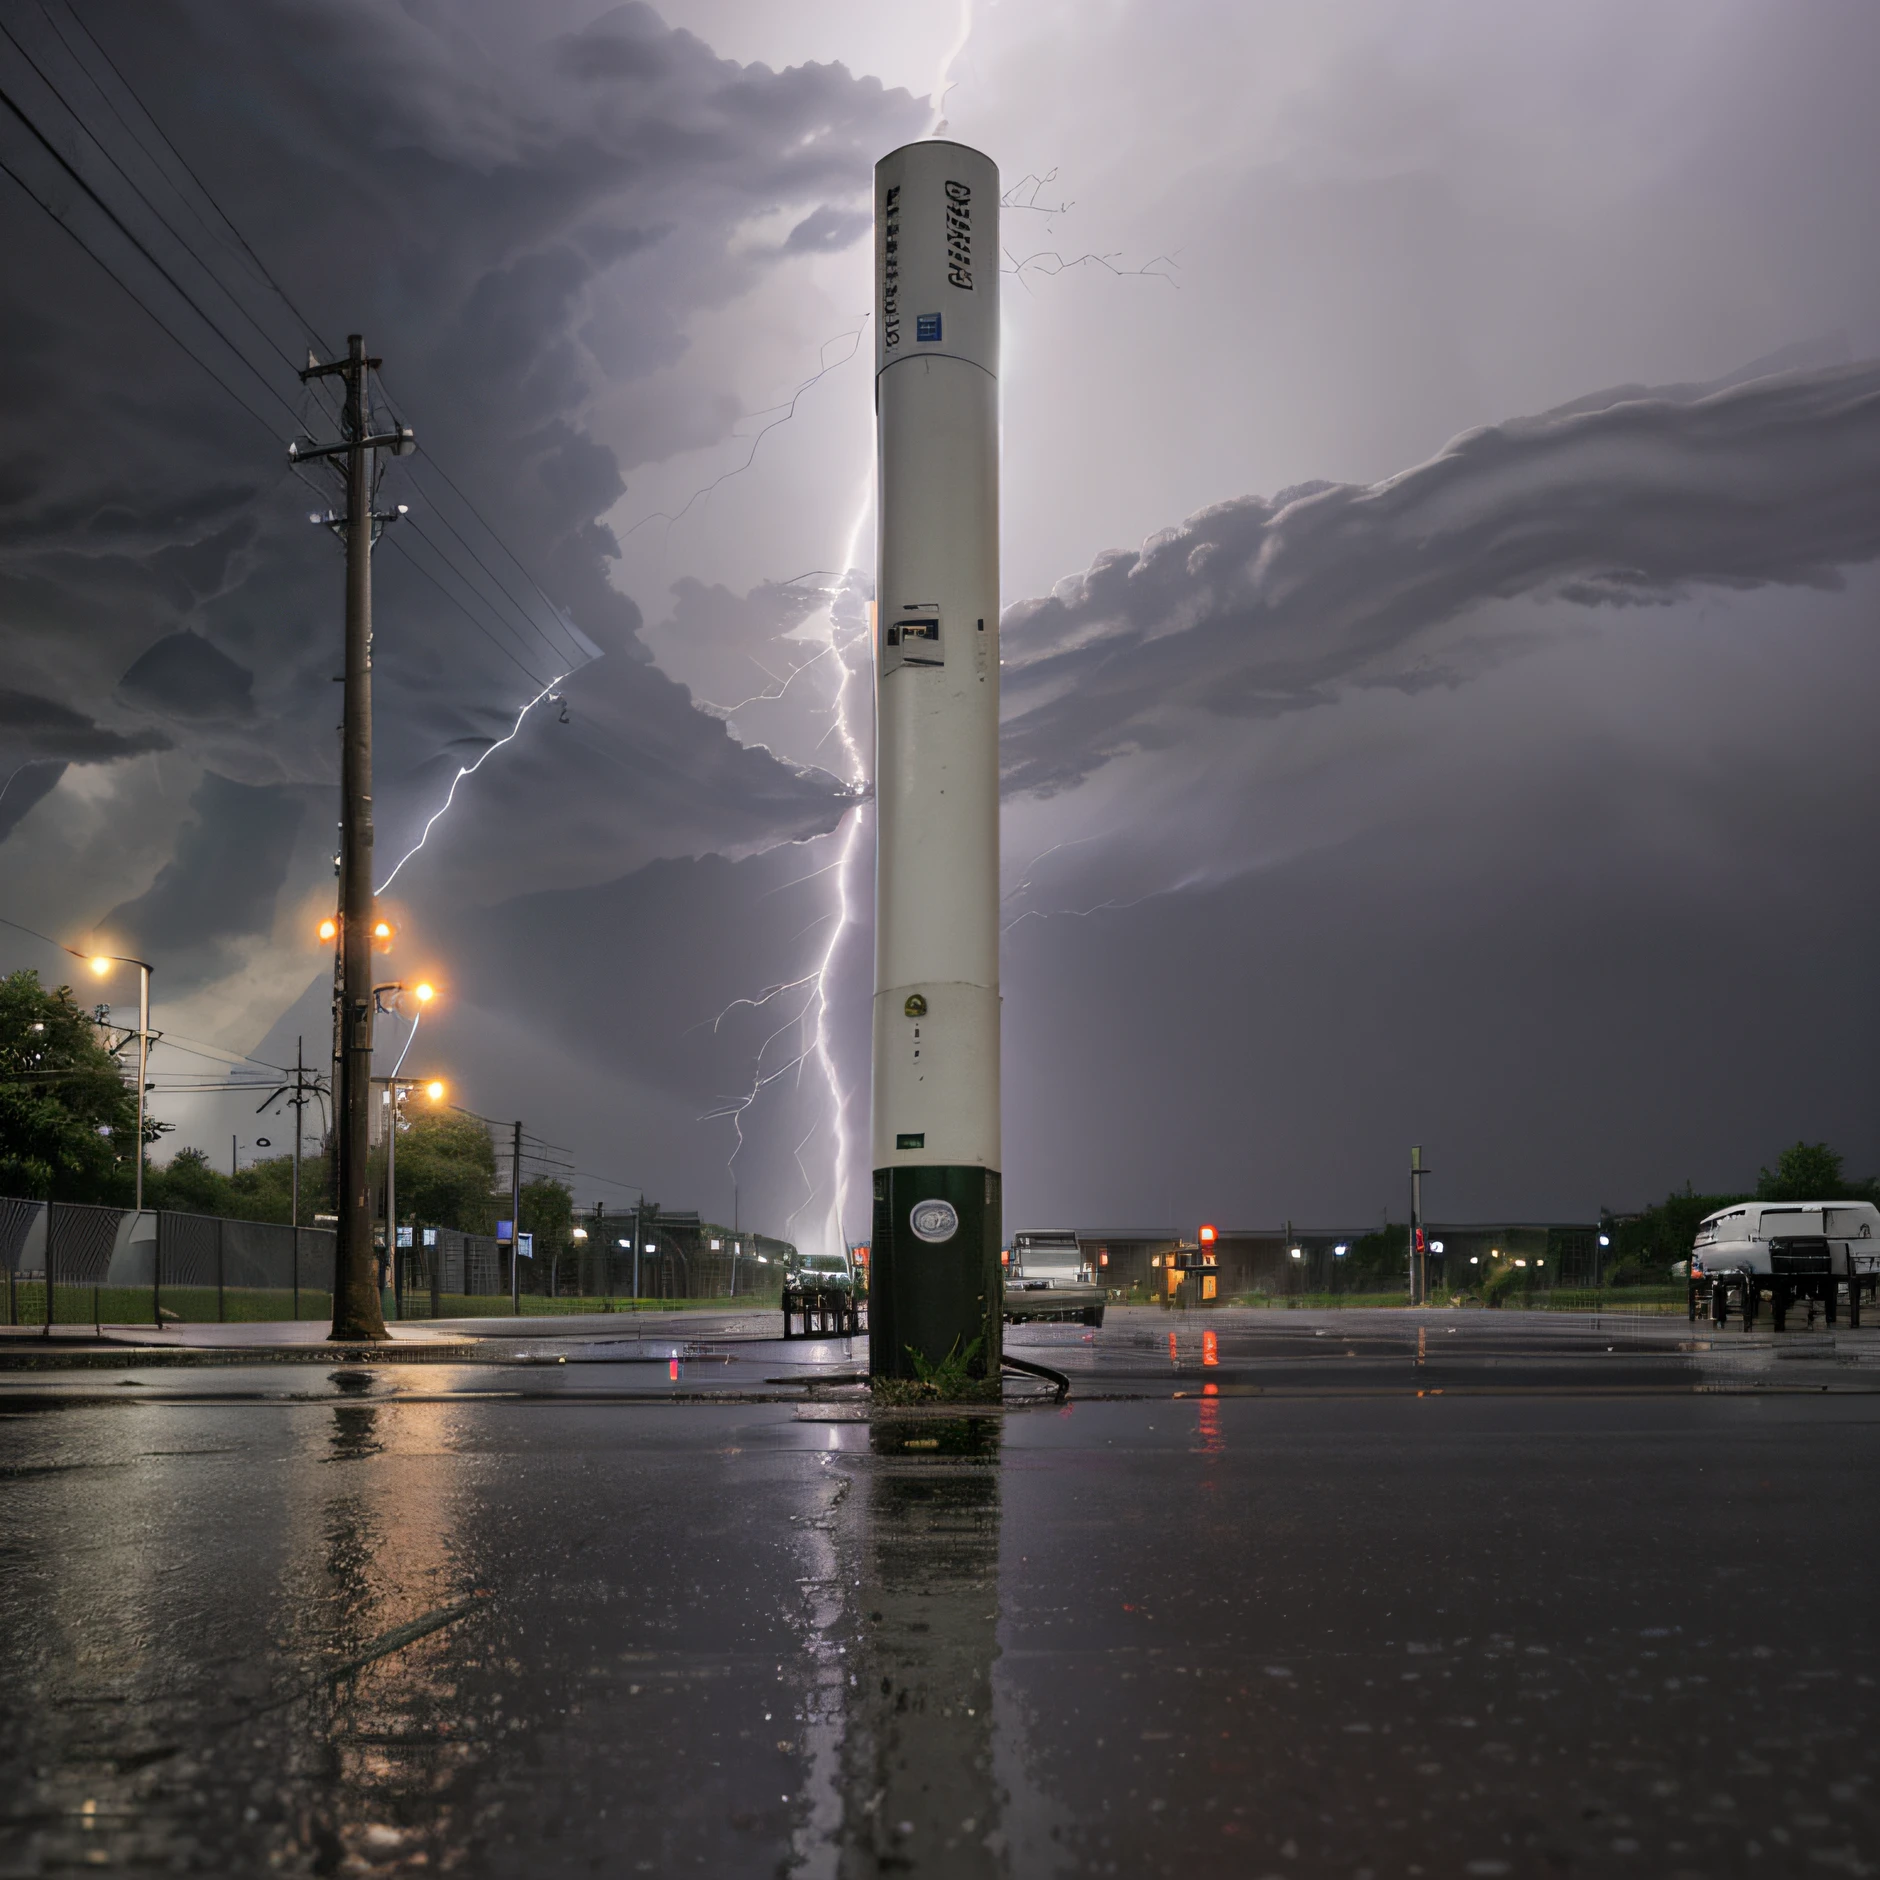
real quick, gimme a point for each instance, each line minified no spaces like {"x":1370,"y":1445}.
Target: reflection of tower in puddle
{"x":918,"y":1754}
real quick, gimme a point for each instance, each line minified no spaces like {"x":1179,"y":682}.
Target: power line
{"x":527,"y":671}
{"x":496,"y":579}
{"x":289,"y":303}
{"x":130,"y":91}
{"x":117,"y":221}
{"x":267,"y":424}
{"x":494,"y":611}
{"x":169,"y":228}
{"x":430,"y":464}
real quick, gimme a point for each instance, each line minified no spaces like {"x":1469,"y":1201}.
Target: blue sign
{"x":926,"y":326}
{"x":505,"y":1230}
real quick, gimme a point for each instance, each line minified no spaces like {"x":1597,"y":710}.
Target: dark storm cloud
{"x":186,"y":677}
{"x":1260,"y":607}
{"x":523,"y":214}
{"x":221,"y":887}
{"x":34,"y":728}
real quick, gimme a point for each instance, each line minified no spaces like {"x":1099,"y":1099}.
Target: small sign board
{"x":525,"y":1246}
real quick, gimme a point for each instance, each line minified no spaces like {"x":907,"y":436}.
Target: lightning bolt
{"x":466,"y":770}
{"x":810,"y":1018}
{"x":825,"y":366}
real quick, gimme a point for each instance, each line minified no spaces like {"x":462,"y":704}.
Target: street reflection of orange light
{"x":329,"y":929}
{"x":1210,"y":1348}
{"x":1171,"y":1348}
{"x":1210,"y":1390}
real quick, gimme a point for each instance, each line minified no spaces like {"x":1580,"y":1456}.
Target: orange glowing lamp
{"x":329,"y":928}
{"x":1208,"y":1236}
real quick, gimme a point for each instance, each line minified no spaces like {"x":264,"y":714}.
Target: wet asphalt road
{"x":1564,"y":1598}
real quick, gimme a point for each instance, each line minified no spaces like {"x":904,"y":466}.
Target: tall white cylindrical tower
{"x":935,"y":1285}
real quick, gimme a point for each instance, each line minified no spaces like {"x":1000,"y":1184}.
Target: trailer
{"x":1788,"y":1253}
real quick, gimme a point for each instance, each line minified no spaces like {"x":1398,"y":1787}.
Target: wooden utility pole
{"x":515,"y":1222}
{"x":358,"y":1311}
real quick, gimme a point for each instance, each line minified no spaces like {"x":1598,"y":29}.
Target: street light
{"x":433,"y":1088}
{"x":101,"y":964}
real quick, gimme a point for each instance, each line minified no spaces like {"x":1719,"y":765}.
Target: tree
{"x":189,"y":1184}
{"x":1807,"y":1171}
{"x":1378,"y":1262}
{"x":447,"y":1173}
{"x":548,"y":1214}
{"x":68,"y":1122}
{"x":263,"y":1191}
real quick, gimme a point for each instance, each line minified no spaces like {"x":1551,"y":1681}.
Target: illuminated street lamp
{"x":101,"y":964}
{"x":434,"y":1088}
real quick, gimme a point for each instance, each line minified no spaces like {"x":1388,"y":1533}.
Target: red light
{"x":1207,"y":1236}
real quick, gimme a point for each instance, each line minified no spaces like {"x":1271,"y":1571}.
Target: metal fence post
{"x":156,"y":1277}
{"x":221,"y":1227}
{"x":437,"y":1275}
{"x":47,"y":1333}
{"x":296,"y":1269}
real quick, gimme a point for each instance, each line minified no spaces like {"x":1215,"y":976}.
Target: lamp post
{"x":424,"y":992}
{"x":101,"y":964}
{"x":433,"y":1087}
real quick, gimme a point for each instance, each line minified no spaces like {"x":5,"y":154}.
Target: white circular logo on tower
{"x":934,"y":1221}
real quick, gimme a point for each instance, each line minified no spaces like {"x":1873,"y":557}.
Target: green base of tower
{"x":939,"y":1298}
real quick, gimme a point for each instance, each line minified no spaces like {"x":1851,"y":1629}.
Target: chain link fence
{"x":68,"y":1263}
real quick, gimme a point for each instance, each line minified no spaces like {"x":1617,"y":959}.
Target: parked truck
{"x":1047,"y":1276}
{"x":1785,"y":1252}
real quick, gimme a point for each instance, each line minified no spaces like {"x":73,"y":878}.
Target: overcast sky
{"x":1441,"y":487}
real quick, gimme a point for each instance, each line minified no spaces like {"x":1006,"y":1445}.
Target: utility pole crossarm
{"x":401,"y":443}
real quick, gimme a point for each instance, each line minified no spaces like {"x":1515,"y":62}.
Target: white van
{"x":1785,"y":1251}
